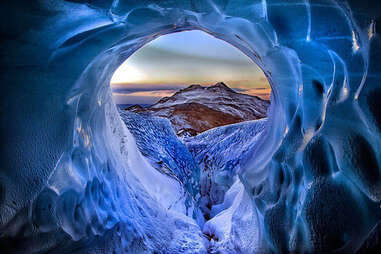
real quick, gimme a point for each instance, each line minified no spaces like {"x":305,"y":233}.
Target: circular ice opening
{"x":197,"y":99}
{"x":196,"y":81}
{"x":175,"y":185}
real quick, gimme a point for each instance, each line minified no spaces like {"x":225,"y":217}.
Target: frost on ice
{"x":75,"y":177}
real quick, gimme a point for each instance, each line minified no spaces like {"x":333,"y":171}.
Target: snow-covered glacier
{"x":168,"y":158}
{"x":218,"y":152}
{"x":73,"y":178}
{"x":230,"y":218}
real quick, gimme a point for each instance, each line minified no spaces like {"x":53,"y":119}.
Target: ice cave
{"x":75,"y":177}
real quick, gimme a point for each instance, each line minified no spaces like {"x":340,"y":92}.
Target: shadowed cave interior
{"x":80,"y":176}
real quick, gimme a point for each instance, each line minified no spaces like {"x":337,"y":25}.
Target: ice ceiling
{"x":68,"y":181}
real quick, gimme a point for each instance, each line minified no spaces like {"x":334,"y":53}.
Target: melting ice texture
{"x":231,"y":224}
{"x":68,"y":182}
{"x":218,"y":153}
{"x":169,"y":158}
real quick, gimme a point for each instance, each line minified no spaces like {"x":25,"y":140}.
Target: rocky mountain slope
{"x":196,"y":109}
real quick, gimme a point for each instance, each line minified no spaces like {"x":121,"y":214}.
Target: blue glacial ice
{"x":218,"y":152}
{"x":231,"y":224}
{"x":70,"y":178}
{"x":166,"y":157}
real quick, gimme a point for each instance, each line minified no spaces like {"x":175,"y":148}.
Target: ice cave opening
{"x":69,"y":182}
{"x":184,"y":120}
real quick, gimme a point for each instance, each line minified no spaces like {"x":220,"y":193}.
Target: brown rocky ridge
{"x":196,"y":108}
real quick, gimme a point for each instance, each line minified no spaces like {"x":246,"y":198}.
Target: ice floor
{"x":72,"y":178}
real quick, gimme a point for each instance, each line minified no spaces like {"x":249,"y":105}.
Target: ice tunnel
{"x":71,"y":178}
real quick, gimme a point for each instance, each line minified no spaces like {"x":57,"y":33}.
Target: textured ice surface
{"x":234,"y":229}
{"x":158,"y":142}
{"x":66,"y":182}
{"x":171,"y":167}
{"x":232,"y":220}
{"x":218,"y":152}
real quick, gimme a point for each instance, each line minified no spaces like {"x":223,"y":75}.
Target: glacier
{"x":218,"y":152}
{"x":167,"y":154}
{"x":73,"y":178}
{"x":231,"y":222}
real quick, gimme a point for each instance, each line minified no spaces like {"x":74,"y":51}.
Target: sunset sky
{"x":174,"y":61}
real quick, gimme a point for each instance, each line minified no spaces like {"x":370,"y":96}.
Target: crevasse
{"x":68,"y":180}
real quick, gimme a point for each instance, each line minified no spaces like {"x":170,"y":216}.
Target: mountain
{"x":197,"y":177}
{"x":195,"y":109}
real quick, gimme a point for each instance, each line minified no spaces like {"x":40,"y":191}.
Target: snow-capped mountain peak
{"x":197,"y":108}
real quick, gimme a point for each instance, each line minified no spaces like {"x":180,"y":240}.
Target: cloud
{"x":239,"y":89}
{"x":151,"y":93}
{"x":135,"y":100}
{"x":263,"y":79}
{"x":262,"y":92}
{"x":260,"y":88}
{"x":141,"y":97}
{"x":159,"y":53}
{"x":133,"y":88}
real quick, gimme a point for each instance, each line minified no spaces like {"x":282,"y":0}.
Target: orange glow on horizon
{"x":172,"y":62}
{"x":263,"y":93}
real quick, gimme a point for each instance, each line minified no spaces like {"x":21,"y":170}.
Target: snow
{"x":67,"y":184}
{"x":235,"y":227}
{"x":219,"y":99}
{"x":167,"y":191}
{"x":218,"y":152}
{"x":157,"y":141}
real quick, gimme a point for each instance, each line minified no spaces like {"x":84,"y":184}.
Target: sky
{"x":177,"y":60}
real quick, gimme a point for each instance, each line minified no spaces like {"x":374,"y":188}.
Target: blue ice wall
{"x":66,"y":183}
{"x":218,"y":152}
{"x":157,"y":141}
